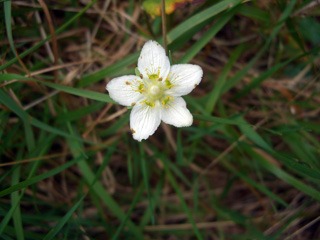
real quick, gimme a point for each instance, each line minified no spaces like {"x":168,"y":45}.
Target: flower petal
{"x":183,"y":78}
{"x":124,"y":90}
{"x":144,"y":121}
{"x":176,"y":113}
{"x":153,"y":62}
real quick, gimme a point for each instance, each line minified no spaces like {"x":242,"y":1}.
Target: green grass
{"x":248,"y":167}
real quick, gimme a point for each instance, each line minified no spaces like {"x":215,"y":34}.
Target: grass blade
{"x":48,"y":38}
{"x":200,"y":17}
{"x":55,"y":230}
{"x":7,"y":101}
{"x":98,"y":189}
{"x":102,"y":97}
{"x":217,"y":90}
{"x":182,"y":201}
{"x":15,"y":200}
{"x":33,"y":180}
{"x":196,"y":48}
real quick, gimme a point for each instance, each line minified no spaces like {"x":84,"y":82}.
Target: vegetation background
{"x":249,"y":166}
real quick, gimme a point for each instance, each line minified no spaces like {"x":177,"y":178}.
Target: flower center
{"x":154,"y":90}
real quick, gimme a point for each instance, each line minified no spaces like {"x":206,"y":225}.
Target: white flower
{"x":156,"y":94}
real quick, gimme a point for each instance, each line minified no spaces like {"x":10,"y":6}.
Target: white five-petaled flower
{"x":156,"y":94}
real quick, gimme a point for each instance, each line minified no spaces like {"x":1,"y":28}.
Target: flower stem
{"x":164,"y":25}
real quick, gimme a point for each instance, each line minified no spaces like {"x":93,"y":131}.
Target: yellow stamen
{"x":141,"y":88}
{"x":153,"y":76}
{"x":150,"y":104}
{"x":166,"y":100}
{"x":168,"y":84}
